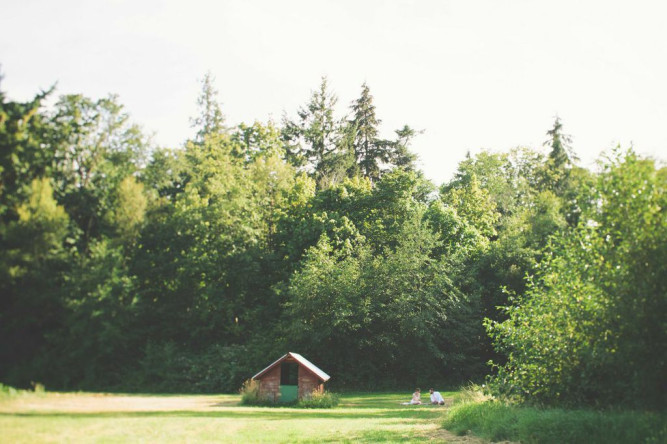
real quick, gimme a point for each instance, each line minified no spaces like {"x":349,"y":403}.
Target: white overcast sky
{"x":472,"y":74}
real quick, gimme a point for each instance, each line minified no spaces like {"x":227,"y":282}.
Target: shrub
{"x":250,"y":394}
{"x":474,"y":393}
{"x":38,"y":387}
{"x":325,"y":400}
{"x":7,"y":391}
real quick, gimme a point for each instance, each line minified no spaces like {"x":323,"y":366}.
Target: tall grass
{"x":499,"y":421}
{"x":316,"y":400}
{"x":250,"y":396}
{"x":7,"y":391}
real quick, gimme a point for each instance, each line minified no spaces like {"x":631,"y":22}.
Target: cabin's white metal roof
{"x":301,"y":360}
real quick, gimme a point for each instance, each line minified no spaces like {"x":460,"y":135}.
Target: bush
{"x":325,"y":400}
{"x":474,"y":393}
{"x":250,"y":393}
{"x":590,"y":328}
{"x":7,"y":391}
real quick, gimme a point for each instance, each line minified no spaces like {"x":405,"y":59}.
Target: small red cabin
{"x":289,"y":378}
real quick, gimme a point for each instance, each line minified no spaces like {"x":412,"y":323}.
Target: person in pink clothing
{"x":416,"y":397}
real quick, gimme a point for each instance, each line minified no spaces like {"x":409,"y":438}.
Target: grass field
{"x":498,"y":421}
{"x":108,"y":418}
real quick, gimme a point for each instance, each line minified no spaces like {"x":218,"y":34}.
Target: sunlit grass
{"x":498,"y":421}
{"x":90,"y":417}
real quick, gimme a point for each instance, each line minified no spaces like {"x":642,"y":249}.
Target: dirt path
{"x":442,"y":435}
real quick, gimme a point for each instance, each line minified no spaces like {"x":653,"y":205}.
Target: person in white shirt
{"x":436,"y":398}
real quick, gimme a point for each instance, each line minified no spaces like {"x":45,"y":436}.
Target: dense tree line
{"x":130,"y":267}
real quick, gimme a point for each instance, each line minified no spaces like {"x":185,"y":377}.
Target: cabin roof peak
{"x":301,"y":360}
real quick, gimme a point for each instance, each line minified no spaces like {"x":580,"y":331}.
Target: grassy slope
{"x":498,"y":421}
{"x":88,"y":417}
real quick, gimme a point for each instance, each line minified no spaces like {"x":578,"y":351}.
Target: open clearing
{"x":93,"y":417}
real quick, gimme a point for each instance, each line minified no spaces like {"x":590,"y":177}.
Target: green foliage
{"x":498,"y":421}
{"x":474,"y":204}
{"x":23,"y":156}
{"x":590,"y":330}
{"x":41,"y":220}
{"x":95,"y":147}
{"x":257,"y":140}
{"x":183,"y":269}
{"x":459,"y":238}
{"x":171,"y":368}
{"x":32,"y":259}
{"x":129,"y":211}
{"x":165,"y":175}
{"x":97,"y":307}
{"x":544,"y":217}
{"x":371,"y":315}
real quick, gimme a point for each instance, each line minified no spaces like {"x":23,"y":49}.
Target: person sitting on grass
{"x":436,"y":398}
{"x":416,"y":397}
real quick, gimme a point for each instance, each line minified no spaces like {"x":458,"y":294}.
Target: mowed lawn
{"x":93,"y":417}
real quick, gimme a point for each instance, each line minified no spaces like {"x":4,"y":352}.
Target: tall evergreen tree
{"x":560,"y":161}
{"x":210,"y":119}
{"x":24,"y":155}
{"x":561,"y":150}
{"x":370,"y":151}
{"x":561,"y":175}
{"x":402,"y":157}
{"x":317,"y":139}
{"x":375,"y":155}
{"x":317,"y":131}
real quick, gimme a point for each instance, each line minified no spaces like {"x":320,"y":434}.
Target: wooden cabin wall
{"x":269,"y":385}
{"x":308,"y":383}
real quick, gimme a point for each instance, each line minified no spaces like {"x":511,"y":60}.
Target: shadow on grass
{"x":364,"y":400}
{"x":255,"y":414}
{"x":371,"y":436}
{"x":228,"y":403}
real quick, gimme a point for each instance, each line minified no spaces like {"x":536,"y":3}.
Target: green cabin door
{"x":289,"y":381}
